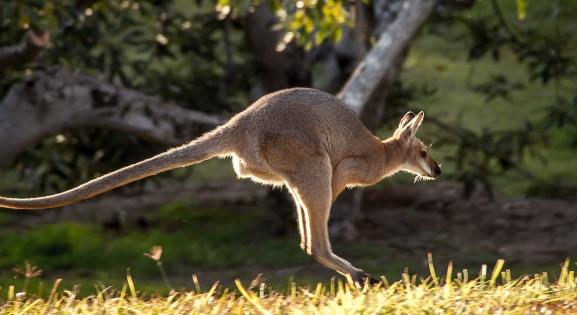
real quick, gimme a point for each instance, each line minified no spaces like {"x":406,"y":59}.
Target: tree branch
{"x":32,"y":44}
{"x":503,"y":21}
{"x":55,"y":100}
{"x":373,"y":76}
{"x":458,"y":4}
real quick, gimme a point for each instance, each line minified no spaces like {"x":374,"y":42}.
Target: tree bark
{"x":367,"y":88}
{"x":335,"y":62}
{"x":30,"y":47}
{"x":277,"y":69}
{"x":382,"y":62}
{"x":55,"y":100}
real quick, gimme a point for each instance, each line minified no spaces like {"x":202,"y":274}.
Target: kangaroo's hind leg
{"x":310,"y":185}
{"x":259,"y":175}
{"x":300,"y":219}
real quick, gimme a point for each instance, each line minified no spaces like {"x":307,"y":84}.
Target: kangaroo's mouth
{"x":419,"y":175}
{"x":426,"y":173}
{"x":420,"y":178}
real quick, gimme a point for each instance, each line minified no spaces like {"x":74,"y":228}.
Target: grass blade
{"x":432,"y":269}
{"x":496,"y":271}
{"x":252,"y":300}
{"x":130,"y":283}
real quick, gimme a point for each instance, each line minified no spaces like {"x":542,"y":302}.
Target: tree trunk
{"x":278,"y":69}
{"x":367,"y":88}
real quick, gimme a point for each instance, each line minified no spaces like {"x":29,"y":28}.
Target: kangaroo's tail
{"x":215,"y":143}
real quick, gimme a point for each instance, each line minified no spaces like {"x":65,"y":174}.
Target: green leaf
{"x":337,"y":35}
{"x":521,"y":9}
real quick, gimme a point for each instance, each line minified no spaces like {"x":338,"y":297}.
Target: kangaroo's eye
{"x":424,"y":154}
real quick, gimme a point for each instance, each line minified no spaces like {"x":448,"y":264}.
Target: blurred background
{"x":89,"y":86}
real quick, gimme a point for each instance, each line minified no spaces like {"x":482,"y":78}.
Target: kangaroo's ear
{"x":404,"y":123}
{"x":406,"y":118}
{"x":409,"y":129}
{"x":416,"y":123}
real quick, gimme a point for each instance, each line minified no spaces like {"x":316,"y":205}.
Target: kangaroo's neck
{"x":391,"y":157}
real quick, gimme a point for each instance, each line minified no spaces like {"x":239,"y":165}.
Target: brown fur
{"x":304,"y":139}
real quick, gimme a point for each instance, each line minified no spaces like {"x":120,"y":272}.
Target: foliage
{"x":153,"y":46}
{"x":307,"y":22}
{"x":497,"y":293}
{"x":548,"y":54}
{"x":176,"y":50}
{"x":498,"y":87}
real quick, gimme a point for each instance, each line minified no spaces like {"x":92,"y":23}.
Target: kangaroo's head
{"x":415,"y":156}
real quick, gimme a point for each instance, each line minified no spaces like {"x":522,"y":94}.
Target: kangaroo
{"x":304,"y":139}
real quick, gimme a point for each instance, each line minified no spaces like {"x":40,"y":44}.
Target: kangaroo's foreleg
{"x":351,"y":171}
{"x":341,"y":176}
{"x":311,"y":187}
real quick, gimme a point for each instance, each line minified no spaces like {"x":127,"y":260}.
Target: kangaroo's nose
{"x":437,"y":170}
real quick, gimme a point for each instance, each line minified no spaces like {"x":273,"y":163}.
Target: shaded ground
{"x":434,"y":217}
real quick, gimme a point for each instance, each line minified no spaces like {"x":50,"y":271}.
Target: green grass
{"x":204,"y":238}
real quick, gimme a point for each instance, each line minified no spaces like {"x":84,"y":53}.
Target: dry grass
{"x":496,"y":293}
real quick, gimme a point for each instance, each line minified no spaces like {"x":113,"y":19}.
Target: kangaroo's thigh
{"x":289,"y":151}
{"x":257,"y":172}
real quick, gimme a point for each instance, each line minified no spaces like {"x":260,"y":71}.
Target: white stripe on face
{"x":425,"y":166}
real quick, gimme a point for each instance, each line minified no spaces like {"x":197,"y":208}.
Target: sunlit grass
{"x":492,"y":292}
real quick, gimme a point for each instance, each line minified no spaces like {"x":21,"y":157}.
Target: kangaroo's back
{"x":315,"y":117}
